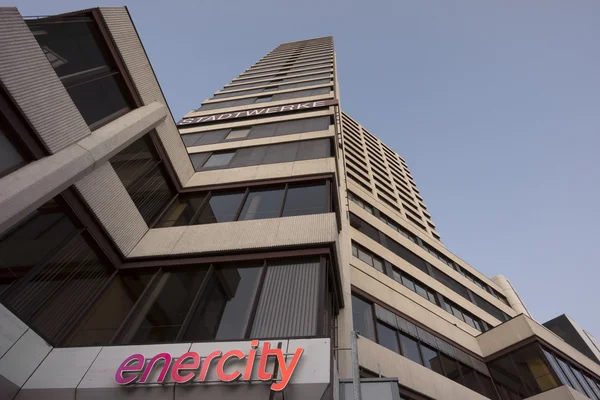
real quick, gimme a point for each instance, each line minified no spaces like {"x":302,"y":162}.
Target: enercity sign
{"x":188,"y":369}
{"x":258,"y":111}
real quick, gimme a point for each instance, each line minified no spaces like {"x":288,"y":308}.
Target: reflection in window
{"x":141,"y":171}
{"x":221,"y":208}
{"x":262,"y":204}
{"x":107,"y":315}
{"x":224,"y":310}
{"x":10,"y":158}
{"x":302,"y":200}
{"x":181,"y":211}
{"x":410,"y":348}
{"x":362,"y":315}
{"x":81,"y":59}
{"x":387,"y":337}
{"x":219,"y":159}
{"x":163,"y":318}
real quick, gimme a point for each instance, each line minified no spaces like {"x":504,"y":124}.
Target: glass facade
{"x":260,"y":202}
{"x":79,"y":54}
{"x":403,"y":337}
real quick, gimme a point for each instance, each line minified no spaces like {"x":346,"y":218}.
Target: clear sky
{"x":495,"y":106}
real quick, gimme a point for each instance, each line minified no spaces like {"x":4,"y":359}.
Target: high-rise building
{"x":266,"y":246}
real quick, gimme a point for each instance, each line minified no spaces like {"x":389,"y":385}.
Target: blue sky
{"x":495,"y":106}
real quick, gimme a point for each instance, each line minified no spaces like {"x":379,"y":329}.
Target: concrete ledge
{"x":559,"y":393}
{"x":228,"y":236}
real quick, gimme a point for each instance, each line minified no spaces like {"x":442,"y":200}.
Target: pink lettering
{"x":166,"y":357}
{"x":126,"y":367}
{"x":180,"y":366}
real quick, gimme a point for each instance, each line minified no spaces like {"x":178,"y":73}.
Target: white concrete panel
{"x":11,"y":329}
{"x":24,"y":357}
{"x":63,"y":368}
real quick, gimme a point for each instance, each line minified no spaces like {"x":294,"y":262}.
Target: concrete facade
{"x":395,"y":229}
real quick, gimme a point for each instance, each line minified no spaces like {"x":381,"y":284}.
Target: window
{"x":224,"y":310}
{"x":10,"y":157}
{"x":219,"y":159}
{"x":387,"y":338}
{"x":222,"y":207}
{"x":81,"y":59}
{"x":265,"y":203}
{"x":264,"y":99}
{"x":246,"y":203}
{"x":305,"y":199}
{"x":107,"y":315}
{"x":431,"y":359}
{"x":257,"y":155}
{"x":172,"y":297}
{"x":362,"y":315}
{"x":238,"y":134}
{"x":410,"y":348}
{"x":47,"y":262}
{"x":181,"y":211}
{"x":142,"y":172}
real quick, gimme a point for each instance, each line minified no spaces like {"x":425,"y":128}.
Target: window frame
{"x":330,"y":207}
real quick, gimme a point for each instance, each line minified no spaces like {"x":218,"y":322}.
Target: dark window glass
{"x":362,"y":316}
{"x":99,"y":98}
{"x":78,"y":54}
{"x":221,"y":208}
{"x":107,"y":315}
{"x":34,"y":239}
{"x":406,"y":254}
{"x":278,"y":153}
{"x":263,"y":99}
{"x":377,"y":264}
{"x":489,"y":308}
{"x":387,"y":337}
{"x":49,"y":298}
{"x":219,"y":159}
{"x":365,"y":256}
{"x":190,"y":139}
{"x":410,"y":348}
{"x":450,"y":283}
{"x":420,"y":291}
{"x":487,"y":387}
{"x":249,"y":156}
{"x":10,"y":158}
{"x":168,"y":306}
{"x":450,"y":368}
{"x":224,"y":310}
{"x":312,"y":149}
{"x":469,"y":378}
{"x":457,"y":312}
{"x":290,"y":127}
{"x":198,"y":160}
{"x":139,"y":168}
{"x":263,"y":130}
{"x":306,"y":199}
{"x":406,"y":281}
{"x":212,"y":137}
{"x":181,"y":211}
{"x":262,"y":204}
{"x":431,"y":359}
